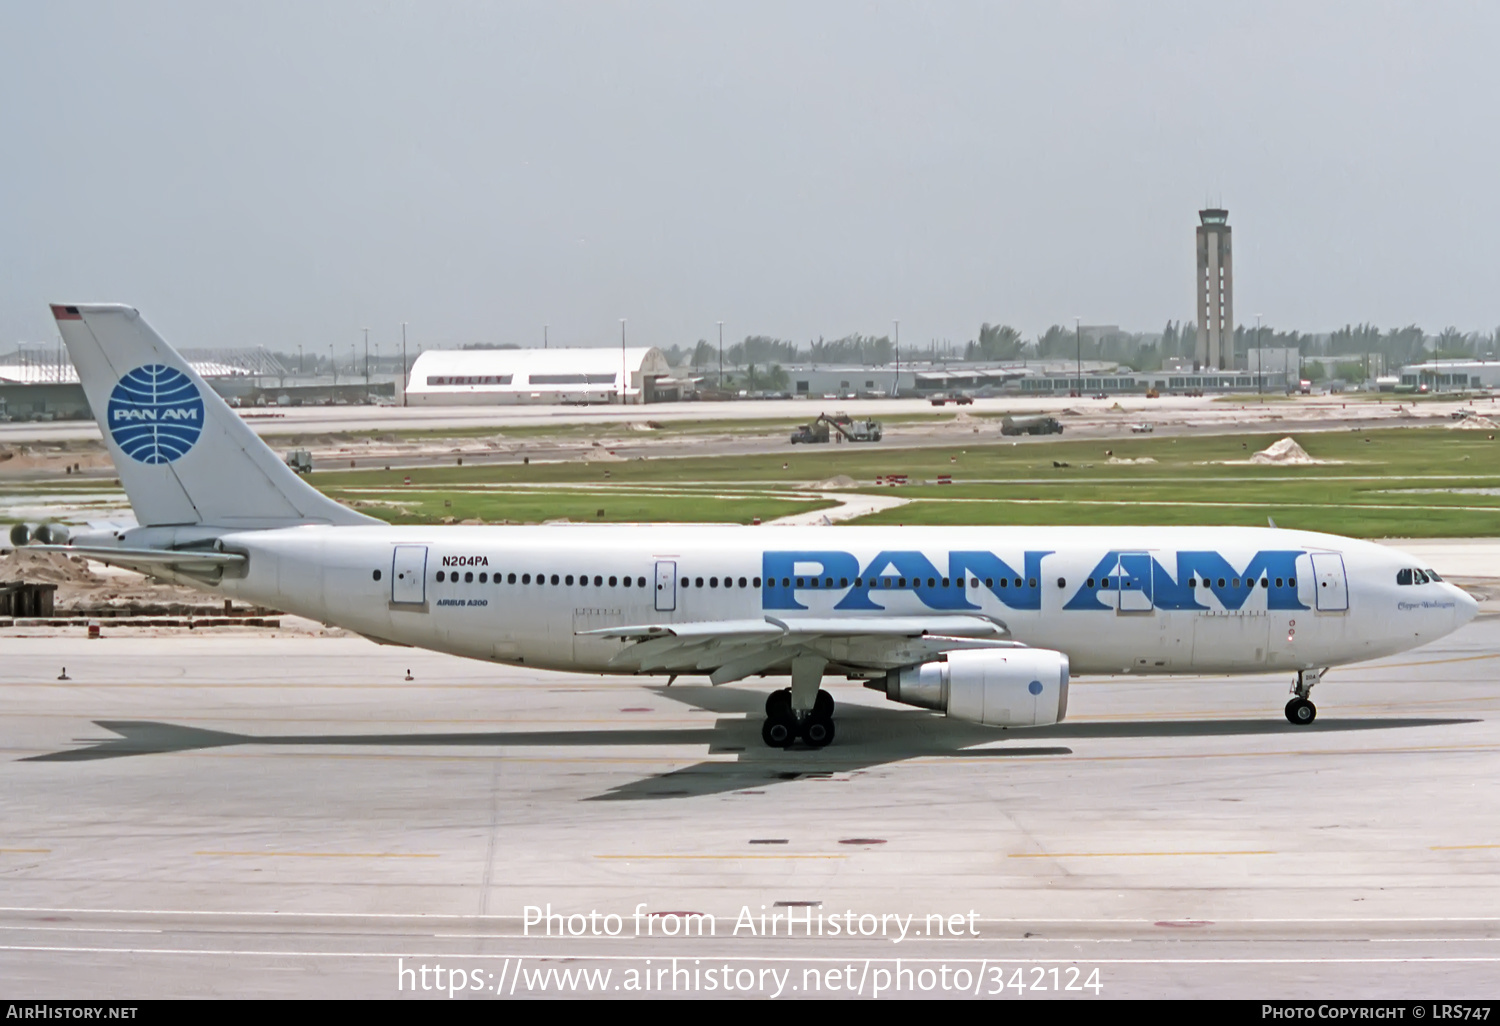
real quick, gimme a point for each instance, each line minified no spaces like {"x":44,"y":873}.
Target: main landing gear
{"x":783,"y":727}
{"x":1300,"y":711}
{"x":803,"y":710}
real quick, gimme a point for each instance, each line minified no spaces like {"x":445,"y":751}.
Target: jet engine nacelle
{"x":43,"y":534}
{"x":1012,"y":687}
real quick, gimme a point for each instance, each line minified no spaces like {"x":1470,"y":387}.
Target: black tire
{"x":1300,"y":712}
{"x":779,"y":731}
{"x":817,"y":731}
{"x":779,"y":703}
{"x":822,"y":706}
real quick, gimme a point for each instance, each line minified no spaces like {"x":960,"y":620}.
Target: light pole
{"x":367,"y":361}
{"x":1078,"y":332}
{"x":896,"y":385}
{"x":1260,"y":357}
{"x":624,"y":374}
{"x":301,"y":365}
{"x":544,"y":336}
{"x":721,"y":356}
{"x":403,"y":363}
{"x":333,"y":364}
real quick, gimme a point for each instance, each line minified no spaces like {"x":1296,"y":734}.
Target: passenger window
{"x":843,"y":581}
{"x":828,"y":582}
{"x":510,"y":578}
{"x":1062,"y":582}
{"x":484,"y":578}
{"x":973,"y":582}
{"x":684,"y":581}
{"x":377,"y":575}
{"x":901,"y":582}
{"x":525,"y":578}
{"x":1004,"y":582}
{"x":554,"y":578}
{"x":598,"y":581}
{"x":989,"y":582}
{"x":469,"y":577}
{"x":945,"y":583}
{"x":568,"y":579}
{"x":614,"y":580}
{"x":786,"y":582}
{"x":640,"y":582}
{"x":441,"y":576}
{"x":757,"y":582}
{"x":1221,"y":582}
{"x":799,"y":582}
{"x":1018,"y":582}
{"x":713,"y":582}
{"x":1030,"y":583}
{"x":859,"y":582}
{"x":1091,"y":582}
{"x":1291,"y":582}
{"x":1278,"y":582}
{"x":931,"y":582}
{"x":627,"y":582}
{"x":1192,"y":582}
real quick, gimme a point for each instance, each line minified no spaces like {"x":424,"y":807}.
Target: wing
{"x":730,"y":650}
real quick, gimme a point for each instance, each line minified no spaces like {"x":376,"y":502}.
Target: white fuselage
{"x":1113,"y":599}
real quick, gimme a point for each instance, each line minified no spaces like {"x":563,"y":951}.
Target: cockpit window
{"x":1403,"y":576}
{"x":1432,"y":575}
{"x":1418,"y":577}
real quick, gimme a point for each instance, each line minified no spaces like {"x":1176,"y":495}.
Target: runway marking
{"x":25,"y":851}
{"x":1461,"y":847}
{"x":1124,"y":854}
{"x":642,"y":858}
{"x":325,"y":854}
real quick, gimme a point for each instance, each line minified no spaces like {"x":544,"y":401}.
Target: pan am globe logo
{"x":155,"y":414}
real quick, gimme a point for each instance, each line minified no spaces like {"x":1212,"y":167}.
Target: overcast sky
{"x":289,"y":173}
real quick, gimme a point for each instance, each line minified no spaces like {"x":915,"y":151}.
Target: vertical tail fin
{"x":184,"y":457}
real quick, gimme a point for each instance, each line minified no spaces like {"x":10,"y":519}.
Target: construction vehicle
{"x":1036,"y":425}
{"x":842,"y":426}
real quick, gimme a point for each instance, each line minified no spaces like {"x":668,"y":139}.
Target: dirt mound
{"x":1127,"y":460}
{"x":832,"y":483}
{"x":47,"y":568}
{"x":1284,"y":453}
{"x":602,"y":456}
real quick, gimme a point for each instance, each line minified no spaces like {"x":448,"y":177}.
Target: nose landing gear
{"x":1300,"y":711}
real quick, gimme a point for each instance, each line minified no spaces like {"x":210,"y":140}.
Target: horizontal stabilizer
{"x":148,"y":560}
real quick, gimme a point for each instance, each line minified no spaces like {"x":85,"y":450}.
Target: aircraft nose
{"x":1465,"y":608}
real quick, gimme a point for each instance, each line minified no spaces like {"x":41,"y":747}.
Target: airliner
{"x":985,"y":624}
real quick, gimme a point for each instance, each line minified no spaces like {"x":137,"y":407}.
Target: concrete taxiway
{"x":241,"y":814}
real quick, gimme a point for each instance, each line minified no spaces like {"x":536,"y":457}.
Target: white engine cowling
{"x":1011,"y":687}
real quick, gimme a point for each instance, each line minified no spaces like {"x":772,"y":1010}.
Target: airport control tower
{"x":1215,"y":292}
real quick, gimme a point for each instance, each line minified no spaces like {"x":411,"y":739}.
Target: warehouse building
{"x":508,"y":377}
{"x":1446,"y":375}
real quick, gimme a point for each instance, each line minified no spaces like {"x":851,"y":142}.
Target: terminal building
{"x":513,"y":377}
{"x":1451,"y":375}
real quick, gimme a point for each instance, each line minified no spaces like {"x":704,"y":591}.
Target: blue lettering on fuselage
{"x":786,"y":573}
{"x":1119,"y":571}
{"x":905,"y":571}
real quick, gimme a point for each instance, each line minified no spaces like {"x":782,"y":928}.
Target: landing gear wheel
{"x":779,"y":731}
{"x":1301,"y":712}
{"x":822,"y":707}
{"x":779,"y":703}
{"x":817,"y":731}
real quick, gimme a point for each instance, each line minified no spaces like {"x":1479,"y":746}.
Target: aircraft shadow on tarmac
{"x":868,"y":736}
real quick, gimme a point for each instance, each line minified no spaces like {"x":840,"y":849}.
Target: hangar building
{"x":507,"y":377}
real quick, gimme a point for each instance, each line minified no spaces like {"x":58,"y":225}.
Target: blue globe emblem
{"x":1035,"y":687}
{"x":155,"y":414}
